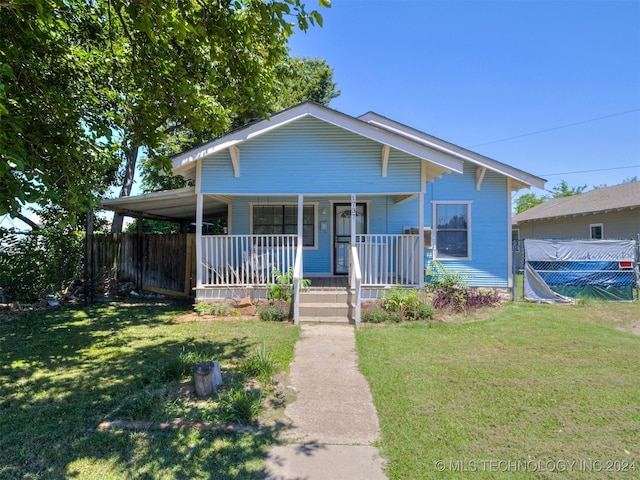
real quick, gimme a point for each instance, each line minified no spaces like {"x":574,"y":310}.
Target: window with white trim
{"x":283,"y":220}
{"x":452,"y":230}
{"x":596,"y":231}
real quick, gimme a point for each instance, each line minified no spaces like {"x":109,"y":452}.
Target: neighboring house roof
{"x":599,"y":200}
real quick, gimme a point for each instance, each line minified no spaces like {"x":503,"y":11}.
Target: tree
{"x":85,"y":85}
{"x":49,"y":130}
{"x":530,"y":200}
{"x":297,"y":80}
{"x":563,"y":190}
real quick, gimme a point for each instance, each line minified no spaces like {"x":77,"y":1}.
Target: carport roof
{"x":174,"y":205}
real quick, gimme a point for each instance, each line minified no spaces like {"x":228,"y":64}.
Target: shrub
{"x":374,"y":315}
{"x":449,"y":292}
{"x":282,"y":289}
{"x":36,"y":264}
{"x":205,"y":308}
{"x":274,"y":312}
{"x":407,"y":304}
{"x":425,"y":311}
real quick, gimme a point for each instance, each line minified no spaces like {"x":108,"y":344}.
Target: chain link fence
{"x":558,"y":270}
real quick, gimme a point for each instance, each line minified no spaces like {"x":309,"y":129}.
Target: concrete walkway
{"x":334,"y":422}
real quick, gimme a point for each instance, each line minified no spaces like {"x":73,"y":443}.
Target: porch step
{"x":325,"y":306}
{"x":340,"y":320}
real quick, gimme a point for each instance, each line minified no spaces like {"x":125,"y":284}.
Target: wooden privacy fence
{"x":161,"y":263}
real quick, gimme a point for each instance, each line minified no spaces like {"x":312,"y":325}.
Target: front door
{"x":342,"y":233}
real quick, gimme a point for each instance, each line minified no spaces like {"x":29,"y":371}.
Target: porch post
{"x":199,"y":208}
{"x":300,"y":218}
{"x":421,"y":240}
{"x":354,"y":212}
{"x":423,"y":188}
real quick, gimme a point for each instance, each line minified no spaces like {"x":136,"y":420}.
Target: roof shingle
{"x":626,"y":195}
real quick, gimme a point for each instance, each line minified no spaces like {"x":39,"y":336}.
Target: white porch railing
{"x":389,"y":259}
{"x":241,"y":260}
{"x":245,"y":259}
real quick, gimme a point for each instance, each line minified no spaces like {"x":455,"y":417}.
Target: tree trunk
{"x":127,"y":184}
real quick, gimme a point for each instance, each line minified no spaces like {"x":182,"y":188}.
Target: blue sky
{"x":475,"y":72}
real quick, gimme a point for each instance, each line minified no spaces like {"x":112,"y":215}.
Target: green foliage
{"x":86,"y":86}
{"x":261,"y":365}
{"x":563,"y":190}
{"x":282,"y":289}
{"x":211,"y":308}
{"x":143,"y":406}
{"x":398,"y":304}
{"x":449,"y":292}
{"x":527,"y":201}
{"x":443,"y":278}
{"x":276,"y":311}
{"x":40,"y":263}
{"x":530,"y":200}
{"x":376,"y":314}
{"x":241,"y":405}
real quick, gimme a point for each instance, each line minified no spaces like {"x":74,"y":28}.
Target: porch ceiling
{"x":174,"y":205}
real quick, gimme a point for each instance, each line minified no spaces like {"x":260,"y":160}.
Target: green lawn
{"x":518,"y":393}
{"x":62,"y":371}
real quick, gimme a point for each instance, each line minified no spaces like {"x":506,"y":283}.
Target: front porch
{"x":238,"y":265}
{"x":236,"y":261}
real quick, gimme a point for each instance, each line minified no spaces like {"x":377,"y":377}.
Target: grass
{"x":514,"y":393}
{"x":63,"y":371}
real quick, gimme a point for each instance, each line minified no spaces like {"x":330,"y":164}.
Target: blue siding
{"x":489,"y":214}
{"x":327,"y":163}
{"x":310,"y":156}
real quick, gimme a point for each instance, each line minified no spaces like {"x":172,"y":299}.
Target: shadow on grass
{"x":62,"y":371}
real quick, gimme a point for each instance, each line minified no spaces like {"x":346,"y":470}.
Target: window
{"x":596,"y":231}
{"x":452,"y":230}
{"x":283,"y":220}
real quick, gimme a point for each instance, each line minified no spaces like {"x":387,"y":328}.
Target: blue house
{"x":330,"y":195}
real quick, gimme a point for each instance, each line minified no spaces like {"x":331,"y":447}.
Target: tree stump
{"x":206,"y":378}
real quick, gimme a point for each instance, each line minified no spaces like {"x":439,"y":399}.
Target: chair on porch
{"x":258,"y":265}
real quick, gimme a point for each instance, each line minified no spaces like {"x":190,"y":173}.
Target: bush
{"x":425,"y":311}
{"x":374,"y":315}
{"x":274,"y":312}
{"x":407,"y":304}
{"x":36,"y":264}
{"x":463,"y":299}
{"x":217,"y":309}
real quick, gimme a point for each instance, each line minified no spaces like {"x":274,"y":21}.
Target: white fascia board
{"x":146,"y":197}
{"x":346,"y":122}
{"x":524,"y":179}
{"x":183,"y":160}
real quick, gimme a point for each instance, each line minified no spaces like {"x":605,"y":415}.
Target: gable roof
{"x":521,"y":178}
{"x":441,"y":162}
{"x":599,"y":200}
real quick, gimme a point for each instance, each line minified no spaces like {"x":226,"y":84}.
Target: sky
{"x":489,"y":75}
